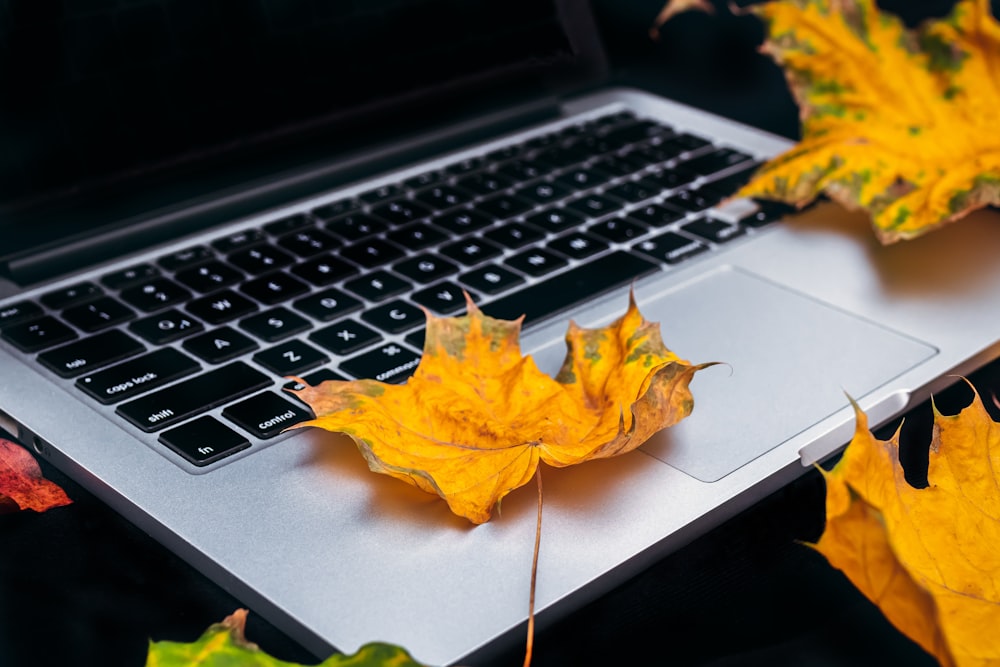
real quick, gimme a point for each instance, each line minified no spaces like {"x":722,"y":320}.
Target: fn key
{"x":204,"y":440}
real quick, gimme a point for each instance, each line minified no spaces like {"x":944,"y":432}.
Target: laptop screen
{"x":98,"y":93}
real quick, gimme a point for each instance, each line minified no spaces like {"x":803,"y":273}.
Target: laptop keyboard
{"x":336,"y":292}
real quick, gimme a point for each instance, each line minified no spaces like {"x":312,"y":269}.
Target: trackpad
{"x":791,"y":359}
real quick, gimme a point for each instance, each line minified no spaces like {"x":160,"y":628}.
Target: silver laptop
{"x":197,"y":204}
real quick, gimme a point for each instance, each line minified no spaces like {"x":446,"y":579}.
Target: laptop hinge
{"x":134,"y":233}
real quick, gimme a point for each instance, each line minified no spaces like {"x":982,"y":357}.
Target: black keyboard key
{"x":98,"y":314}
{"x":238,"y":240}
{"x":155,"y":294}
{"x":372,"y":253}
{"x":204,"y":440}
{"x":186,"y":257}
{"x":287,"y":224}
{"x":425,"y":268}
{"x":67,"y":296}
{"x":218,"y":345}
{"x":578,"y":245}
{"x":423,"y":180}
{"x":536,"y":262}
{"x":138,"y":375}
{"x":471,"y":251}
{"x":694,"y":200}
{"x":13,"y":313}
{"x":524,"y":170}
{"x":190,"y":397}
{"x":377,"y":286}
{"x":327,"y":305}
{"x":416,"y":236}
{"x":389,"y":363}
{"x":356,"y":226}
{"x":417,"y":338}
{"x":670,"y":178}
{"x":769,"y":211}
{"x":731,"y":182}
{"x":345,"y":337}
{"x":308,"y":242}
{"x":594,"y":205}
{"x":655,"y":215}
{"x":394,"y":317}
{"x":221,"y":307}
{"x":88,"y":354}
{"x":556,"y":220}
{"x":260,"y":259}
{"x":462,"y":221}
{"x":401,"y":211}
{"x":266,"y":415}
{"x":444,"y":298}
{"x":717,"y":160}
{"x":670,"y":247}
{"x":166,"y":326}
{"x":618,"y":165}
{"x":716,"y":231}
{"x":324,"y":270}
{"x":688,"y":142}
{"x":274,"y":288}
{"x":634,"y":191}
{"x":491,"y":279}
{"x":543,"y":192}
{"x":336,"y":209}
{"x":466,"y":166}
{"x":209,"y":277}
{"x":514,"y":235}
{"x":486,"y":183}
{"x":133,"y":274}
{"x":290,"y":358}
{"x":380,"y":194}
{"x":275,"y":324}
{"x":566,"y":289}
{"x":584,"y":178}
{"x":503,"y":206}
{"x":37,"y":334}
{"x":618,"y":230}
{"x":443,"y":197}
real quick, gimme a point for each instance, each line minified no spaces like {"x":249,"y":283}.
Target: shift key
{"x":190,"y":397}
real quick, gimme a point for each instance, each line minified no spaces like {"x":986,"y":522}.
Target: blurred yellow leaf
{"x":929,"y":558}
{"x":477,"y":417}
{"x":900,"y":123}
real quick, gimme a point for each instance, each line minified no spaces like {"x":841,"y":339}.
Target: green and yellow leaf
{"x":225,"y":645}
{"x":897,"y":122}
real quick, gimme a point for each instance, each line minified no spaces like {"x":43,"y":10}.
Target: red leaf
{"x":22,"y":484}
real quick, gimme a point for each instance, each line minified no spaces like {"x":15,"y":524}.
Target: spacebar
{"x":565,"y":290}
{"x":187,"y":398}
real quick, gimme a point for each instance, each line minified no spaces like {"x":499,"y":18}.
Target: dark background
{"x":79,"y":585}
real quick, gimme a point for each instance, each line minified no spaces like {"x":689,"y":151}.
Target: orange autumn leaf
{"x":899,"y":123}
{"x":21,"y":481}
{"x":930,"y":557}
{"x":674,"y":7}
{"x":477,"y":417}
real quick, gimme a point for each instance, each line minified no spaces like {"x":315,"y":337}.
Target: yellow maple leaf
{"x":900,"y":123}
{"x":930,"y":557}
{"x":477,"y":417}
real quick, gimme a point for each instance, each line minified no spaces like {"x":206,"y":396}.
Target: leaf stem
{"x":534,"y":573}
